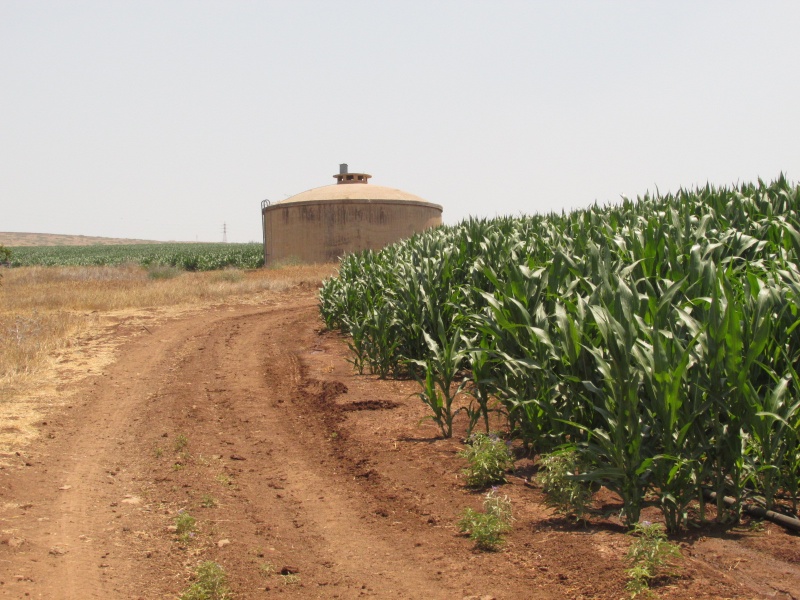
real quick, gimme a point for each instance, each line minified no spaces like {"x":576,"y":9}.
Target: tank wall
{"x":317,"y":232}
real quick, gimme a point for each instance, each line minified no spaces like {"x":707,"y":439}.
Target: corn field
{"x":189,"y":257}
{"x":657,"y":338}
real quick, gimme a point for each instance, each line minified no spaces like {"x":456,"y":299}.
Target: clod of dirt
{"x":237,"y":457}
{"x":14,"y":542}
{"x":289,"y":570}
{"x":58,"y":551}
{"x":332,"y":388}
{"x":223,"y":543}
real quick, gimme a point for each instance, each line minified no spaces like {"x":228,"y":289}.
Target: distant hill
{"x":11,"y":239}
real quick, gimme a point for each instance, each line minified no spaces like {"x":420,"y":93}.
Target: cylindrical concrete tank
{"x":323,"y":224}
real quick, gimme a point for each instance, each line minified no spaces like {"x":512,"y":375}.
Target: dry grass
{"x":27,"y":340}
{"x":56,"y":323}
{"x":114,"y":288}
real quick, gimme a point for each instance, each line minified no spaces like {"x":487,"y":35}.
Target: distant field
{"x":13,"y":239}
{"x":189,"y":257}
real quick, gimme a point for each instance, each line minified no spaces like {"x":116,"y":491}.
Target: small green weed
{"x":185,"y":525}
{"x":650,"y":555}
{"x":756,"y":526}
{"x":557,"y":477}
{"x":290,"y":579}
{"x":158,"y":451}
{"x":208,"y":501}
{"x":486,"y":528}
{"x":181,"y":442}
{"x":489,"y":458}
{"x":268,"y":569}
{"x":5,"y":256}
{"x":211,"y":583}
{"x":225,"y":479}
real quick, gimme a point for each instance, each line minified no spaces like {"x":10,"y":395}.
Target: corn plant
{"x":480,"y":387}
{"x":617,"y":447}
{"x":440,"y":370}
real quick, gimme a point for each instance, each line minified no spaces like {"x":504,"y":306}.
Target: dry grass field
{"x":52,"y":319}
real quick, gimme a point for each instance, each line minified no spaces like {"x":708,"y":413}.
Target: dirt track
{"x":293,"y":463}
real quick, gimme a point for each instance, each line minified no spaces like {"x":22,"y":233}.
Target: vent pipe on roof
{"x":343,"y":176}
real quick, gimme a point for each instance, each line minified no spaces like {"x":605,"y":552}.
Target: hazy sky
{"x":165,"y":119}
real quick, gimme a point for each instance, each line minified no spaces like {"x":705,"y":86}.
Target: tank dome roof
{"x":352,"y":192}
{"x":354,"y":187}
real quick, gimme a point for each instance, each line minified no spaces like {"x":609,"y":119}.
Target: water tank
{"x":324,"y":223}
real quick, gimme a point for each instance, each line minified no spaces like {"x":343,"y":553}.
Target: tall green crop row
{"x":659,"y":338}
{"x":189,"y":257}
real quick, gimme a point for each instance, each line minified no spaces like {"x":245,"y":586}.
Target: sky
{"x":171,"y":119}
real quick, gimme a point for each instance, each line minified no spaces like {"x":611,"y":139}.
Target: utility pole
{"x":224,"y":233}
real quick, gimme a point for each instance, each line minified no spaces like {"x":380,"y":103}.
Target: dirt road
{"x":304,"y":480}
